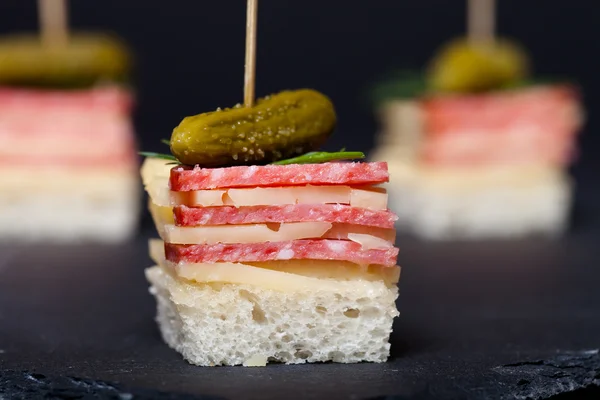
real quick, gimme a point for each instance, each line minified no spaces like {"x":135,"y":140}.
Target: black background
{"x":190,"y":53}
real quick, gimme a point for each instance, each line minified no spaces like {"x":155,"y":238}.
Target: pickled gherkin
{"x":279,"y":126}
{"x":462,"y":66}
{"x":86,"y":60}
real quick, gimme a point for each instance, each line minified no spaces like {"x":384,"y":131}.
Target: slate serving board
{"x":511,"y":319}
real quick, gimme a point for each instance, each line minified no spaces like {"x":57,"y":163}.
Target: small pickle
{"x":466,"y":67}
{"x":86,"y":60}
{"x":280,"y":126}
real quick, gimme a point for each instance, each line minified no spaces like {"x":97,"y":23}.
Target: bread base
{"x":69,"y":207}
{"x":233,"y":324}
{"x":472,"y":205}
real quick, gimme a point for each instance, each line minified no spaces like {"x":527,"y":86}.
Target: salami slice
{"x":94,"y":123}
{"x":334,"y":213}
{"x":109,"y":99}
{"x":333,"y":173}
{"x":536,"y":125}
{"x":310,"y":249}
{"x":498,"y":110}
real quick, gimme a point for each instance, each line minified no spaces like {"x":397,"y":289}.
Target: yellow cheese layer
{"x":370,"y":197}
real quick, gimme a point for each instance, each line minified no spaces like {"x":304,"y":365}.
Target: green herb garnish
{"x":316,"y":157}
{"x":313,"y":157}
{"x":398,"y":85}
{"x":159,"y":155}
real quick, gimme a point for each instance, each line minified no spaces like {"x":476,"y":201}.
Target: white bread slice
{"x":69,"y":207}
{"x":495,"y":203}
{"x":235,"y":324}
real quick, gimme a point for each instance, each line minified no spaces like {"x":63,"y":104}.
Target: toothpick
{"x":481,"y":19}
{"x":250,"y":68}
{"x":53,"y":22}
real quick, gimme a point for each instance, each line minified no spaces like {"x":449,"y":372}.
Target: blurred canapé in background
{"x":67,"y":156}
{"x":478,"y":144}
{"x":189,"y":58}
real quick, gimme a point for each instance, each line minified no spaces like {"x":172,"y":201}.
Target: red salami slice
{"x":125,"y":157}
{"x":498,"y":110}
{"x":509,"y":127}
{"x":324,"y":249}
{"x":340,"y":213}
{"x":94,"y":123}
{"x":111,"y":99}
{"x":334,"y":173}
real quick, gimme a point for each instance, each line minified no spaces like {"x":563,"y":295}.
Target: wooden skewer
{"x":53,"y":22}
{"x":250,"y":67}
{"x":481,"y":20}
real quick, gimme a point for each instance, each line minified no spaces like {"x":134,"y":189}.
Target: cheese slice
{"x":293,"y":275}
{"x":283,"y":195}
{"x":350,"y":232}
{"x":368,"y":237}
{"x":364,"y":198}
{"x":339,"y":270}
{"x":369,"y":241}
{"x":373,"y":198}
{"x":251,"y":233}
{"x":161,"y":216}
{"x":155,"y":177}
{"x":155,"y":172}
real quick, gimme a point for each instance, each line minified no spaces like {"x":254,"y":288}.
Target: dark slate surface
{"x":512,"y":319}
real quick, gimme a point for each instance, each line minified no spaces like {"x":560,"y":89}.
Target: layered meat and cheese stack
{"x":68,"y":165}
{"x":482,"y":165}
{"x":289,"y":263}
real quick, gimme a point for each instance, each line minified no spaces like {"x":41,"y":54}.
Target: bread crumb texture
{"x":234,"y":324}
